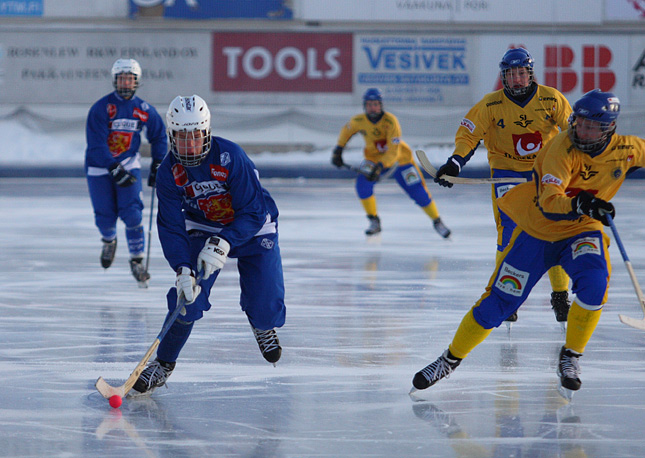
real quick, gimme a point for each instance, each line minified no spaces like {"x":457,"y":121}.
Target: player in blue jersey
{"x":212,"y":207}
{"x":112,"y":162}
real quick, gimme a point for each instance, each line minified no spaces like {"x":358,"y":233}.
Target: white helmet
{"x":191,"y":115}
{"x":126,"y":66}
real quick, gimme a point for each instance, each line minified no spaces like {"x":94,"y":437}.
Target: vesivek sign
{"x":415,"y":58}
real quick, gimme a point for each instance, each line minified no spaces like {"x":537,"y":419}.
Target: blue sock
{"x":174,"y":341}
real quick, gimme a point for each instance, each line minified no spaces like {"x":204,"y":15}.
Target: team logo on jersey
{"x":225,"y":158}
{"x":511,"y":280}
{"x":142,"y":115}
{"x":266,"y":243}
{"x":217,"y":208}
{"x":119,"y":142}
{"x":587,"y":173}
{"x":381,"y":145}
{"x":219,"y":173}
{"x":468,"y":124}
{"x":529,"y":143}
{"x":617,"y":173}
{"x":585,"y":245}
{"x":524,"y":121}
{"x":550,"y":179}
{"x":180,"y":175}
{"x":111,"y":110}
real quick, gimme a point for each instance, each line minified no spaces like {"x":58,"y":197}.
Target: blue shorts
{"x":584,"y":257}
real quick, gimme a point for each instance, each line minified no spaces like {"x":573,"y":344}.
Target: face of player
{"x":126,"y":81}
{"x":517,"y":77}
{"x":589,"y":131}
{"x":189,"y":144}
{"x":373,"y":107}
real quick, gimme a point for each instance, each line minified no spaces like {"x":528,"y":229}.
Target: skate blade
{"x":143,"y":284}
{"x":566,"y":393}
{"x":563,"y":326}
{"x":134,"y":394}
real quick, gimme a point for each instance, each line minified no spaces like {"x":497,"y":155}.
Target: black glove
{"x":375,"y":174}
{"x":121,"y":176}
{"x":152,"y":178}
{"x":586,"y":204}
{"x":450,"y":168}
{"x":337,"y":156}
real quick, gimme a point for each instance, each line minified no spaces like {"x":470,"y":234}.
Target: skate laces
{"x":570,"y":364}
{"x":155,"y":374}
{"x":441,"y":368}
{"x":267,"y":340}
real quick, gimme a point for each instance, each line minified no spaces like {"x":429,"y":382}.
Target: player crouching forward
{"x":384,"y":149}
{"x":211,"y":207}
{"x":559,"y":219}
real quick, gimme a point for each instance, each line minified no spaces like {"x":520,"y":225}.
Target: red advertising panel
{"x":282,"y":62}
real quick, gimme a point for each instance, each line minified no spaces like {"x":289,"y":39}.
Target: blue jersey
{"x":222,"y":196}
{"x":113,"y":132}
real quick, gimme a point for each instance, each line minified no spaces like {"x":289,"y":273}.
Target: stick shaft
{"x":152,"y":210}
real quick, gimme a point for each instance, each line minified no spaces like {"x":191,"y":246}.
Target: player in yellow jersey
{"x":515,"y":123}
{"x":559,"y":219}
{"x":384,"y":149}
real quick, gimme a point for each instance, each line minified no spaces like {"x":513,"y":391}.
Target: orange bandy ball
{"x":115,"y":401}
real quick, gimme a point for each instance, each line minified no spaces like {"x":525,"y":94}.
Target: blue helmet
{"x":602,"y":109}
{"x":516,"y":58}
{"x":373,"y":94}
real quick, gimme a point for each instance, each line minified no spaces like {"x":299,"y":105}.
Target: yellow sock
{"x":559,"y":279}
{"x":431,"y":210}
{"x":580,"y":326}
{"x":468,"y":336}
{"x":369,"y":205}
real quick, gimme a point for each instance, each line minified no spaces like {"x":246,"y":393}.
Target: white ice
{"x":363,"y":316}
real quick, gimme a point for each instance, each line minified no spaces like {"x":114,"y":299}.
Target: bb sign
{"x":282,"y":62}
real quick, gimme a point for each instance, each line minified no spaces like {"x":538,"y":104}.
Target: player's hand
{"x":587,"y":204}
{"x":375,"y":173}
{"x":337,"y":156}
{"x":152,"y":178}
{"x":450,"y":168}
{"x":213,"y":255}
{"x":121,"y":176}
{"x":187,"y":285}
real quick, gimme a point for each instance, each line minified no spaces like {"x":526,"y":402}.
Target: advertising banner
{"x":625,"y":10}
{"x":212,"y":9}
{"x":415,"y":69}
{"x":637,"y":71}
{"x":21,"y":7}
{"x":282,"y":62}
{"x":74,"y":67}
{"x":455,"y":11}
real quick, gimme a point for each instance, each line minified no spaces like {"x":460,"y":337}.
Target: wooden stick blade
{"x":107,"y":390}
{"x":633,"y":322}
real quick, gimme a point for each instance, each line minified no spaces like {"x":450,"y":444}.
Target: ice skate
{"x":510,"y":320}
{"x":139,"y":272}
{"x":152,"y":377}
{"x":432,"y":373}
{"x":569,"y":373}
{"x":560,"y":305}
{"x":441,"y":229}
{"x":269,"y":344}
{"x":107,"y":252}
{"x":375,"y":225}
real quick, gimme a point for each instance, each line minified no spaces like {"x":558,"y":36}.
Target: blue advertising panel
{"x":216,"y":9}
{"x":21,"y":7}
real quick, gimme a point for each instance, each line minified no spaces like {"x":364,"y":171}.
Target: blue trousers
{"x":409,"y":179}
{"x":111,"y":202}
{"x":505,"y":225}
{"x":584,"y":257}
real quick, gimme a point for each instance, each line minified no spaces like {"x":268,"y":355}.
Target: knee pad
{"x":592,"y":287}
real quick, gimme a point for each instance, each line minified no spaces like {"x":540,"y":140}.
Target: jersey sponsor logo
{"x":219,"y":173}
{"x":494,"y":102}
{"x":616,"y":173}
{"x":381,"y":145}
{"x":468,"y":124}
{"x":524,"y":121}
{"x":503,"y":189}
{"x":396,"y":140}
{"x":266,"y":243}
{"x":180,"y":175}
{"x":217,"y":208}
{"x":553,"y":99}
{"x":511,"y":280}
{"x":142,"y":115}
{"x":529,"y":143}
{"x":119,"y":142}
{"x":123,"y":124}
{"x":587,"y":173}
{"x":225,"y":158}
{"x":410,"y":176}
{"x":111,"y":110}
{"x":585,"y":245}
{"x":200,"y":188}
{"x":550,"y":179}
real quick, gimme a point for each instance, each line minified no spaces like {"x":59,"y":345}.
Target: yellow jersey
{"x":542,"y":208}
{"x":382,"y":139}
{"x":513,"y":133}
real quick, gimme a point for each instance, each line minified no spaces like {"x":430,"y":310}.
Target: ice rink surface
{"x":363,"y":315}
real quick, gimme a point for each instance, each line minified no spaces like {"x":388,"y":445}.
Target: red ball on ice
{"x":115,"y":401}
